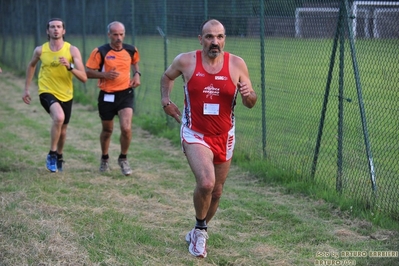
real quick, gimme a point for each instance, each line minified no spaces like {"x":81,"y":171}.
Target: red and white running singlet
{"x":210,"y":100}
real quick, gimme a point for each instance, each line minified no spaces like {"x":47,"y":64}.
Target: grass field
{"x":81,"y":217}
{"x":295,"y":82}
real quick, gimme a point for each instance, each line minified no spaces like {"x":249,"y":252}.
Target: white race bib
{"x":109,"y":98}
{"x":211,"y":109}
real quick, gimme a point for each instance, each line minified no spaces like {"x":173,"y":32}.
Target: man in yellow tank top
{"x":60,"y":61}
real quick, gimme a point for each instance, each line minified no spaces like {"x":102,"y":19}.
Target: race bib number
{"x":211,"y":109}
{"x":109,"y":98}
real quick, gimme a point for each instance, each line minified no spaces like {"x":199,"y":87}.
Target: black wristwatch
{"x":137,"y":72}
{"x":71,"y":66}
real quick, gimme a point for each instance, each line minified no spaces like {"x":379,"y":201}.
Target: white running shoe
{"x":196,"y":239}
{"x":104,"y":166}
{"x":125,"y":168}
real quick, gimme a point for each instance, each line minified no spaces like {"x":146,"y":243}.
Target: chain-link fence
{"x":326,"y":73}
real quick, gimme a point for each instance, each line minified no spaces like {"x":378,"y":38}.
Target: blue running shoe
{"x":51,"y":163}
{"x":59,"y":164}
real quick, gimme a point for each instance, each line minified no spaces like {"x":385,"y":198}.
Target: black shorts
{"x":47,"y":99}
{"x":109,"y":104}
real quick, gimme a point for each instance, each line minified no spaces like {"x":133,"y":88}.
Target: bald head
{"x":115,"y":24}
{"x":211,"y":23}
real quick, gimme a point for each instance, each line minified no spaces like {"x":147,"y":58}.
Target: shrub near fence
{"x":290,"y":74}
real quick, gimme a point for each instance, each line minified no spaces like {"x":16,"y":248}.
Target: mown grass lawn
{"x":82,"y":217}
